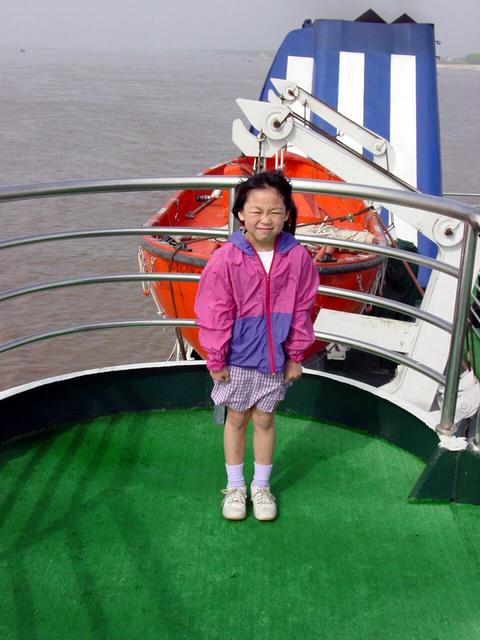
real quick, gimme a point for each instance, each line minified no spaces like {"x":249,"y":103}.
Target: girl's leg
{"x":263,"y":436}
{"x":234,"y":436}
{"x":264,"y":507}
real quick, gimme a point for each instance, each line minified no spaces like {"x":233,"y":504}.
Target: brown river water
{"x":71,"y":115}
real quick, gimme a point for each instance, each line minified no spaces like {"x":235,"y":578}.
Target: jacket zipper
{"x":267,"y":306}
{"x":269,"y":321}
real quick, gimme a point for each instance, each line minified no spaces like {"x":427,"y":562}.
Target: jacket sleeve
{"x":215,"y":311}
{"x":301,"y":335}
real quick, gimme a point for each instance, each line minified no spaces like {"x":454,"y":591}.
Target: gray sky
{"x":213,"y":24}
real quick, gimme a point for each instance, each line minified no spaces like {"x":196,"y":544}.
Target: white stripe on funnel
{"x":403,"y":127}
{"x":300,"y":71}
{"x":351,"y":80}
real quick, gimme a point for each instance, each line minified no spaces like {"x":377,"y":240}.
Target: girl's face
{"x":263,"y":216}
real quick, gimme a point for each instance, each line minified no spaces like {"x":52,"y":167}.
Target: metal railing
{"x":460,"y":194}
{"x":459,"y":211}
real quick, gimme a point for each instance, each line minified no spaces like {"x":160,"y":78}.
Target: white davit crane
{"x":282,"y":124}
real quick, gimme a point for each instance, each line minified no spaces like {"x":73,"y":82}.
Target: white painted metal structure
{"x":280,"y":128}
{"x":402,"y":110}
{"x":445,"y":423}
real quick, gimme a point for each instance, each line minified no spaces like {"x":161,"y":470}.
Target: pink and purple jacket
{"x":252,"y":319}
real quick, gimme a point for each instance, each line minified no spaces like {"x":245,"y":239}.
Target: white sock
{"x":235,"y":475}
{"x":261,"y":476}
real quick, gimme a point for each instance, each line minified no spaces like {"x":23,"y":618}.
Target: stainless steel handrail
{"x":96,"y":326}
{"x":383,"y":353}
{"x":100,"y":279}
{"x":78,"y":234}
{"x":378,"y":301}
{"x":462,"y":305}
{"x":335,"y":292}
{"x":327,"y":337}
{"x":397,"y":254}
{"x":413,"y":200}
{"x":461,"y":195}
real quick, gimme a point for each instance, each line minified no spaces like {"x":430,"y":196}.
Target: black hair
{"x":275,"y":180}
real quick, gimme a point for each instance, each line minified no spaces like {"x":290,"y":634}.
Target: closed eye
{"x":256,"y":212}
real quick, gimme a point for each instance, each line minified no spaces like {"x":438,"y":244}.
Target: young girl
{"x":253,"y":309}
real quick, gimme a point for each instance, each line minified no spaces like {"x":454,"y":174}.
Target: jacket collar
{"x":285,"y":242}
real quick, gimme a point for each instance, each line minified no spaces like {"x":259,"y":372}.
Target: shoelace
{"x":233,"y":495}
{"x":263,"y":496}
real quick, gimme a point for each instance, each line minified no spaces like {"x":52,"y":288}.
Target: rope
{"x":347,"y":216}
{"x":178,"y":333}
{"x":258,"y":165}
{"x":404,"y":262}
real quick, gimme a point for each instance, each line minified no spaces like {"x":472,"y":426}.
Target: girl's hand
{"x":221,"y":376}
{"x":293,"y":371}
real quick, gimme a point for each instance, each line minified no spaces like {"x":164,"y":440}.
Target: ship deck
{"x":111,"y":528}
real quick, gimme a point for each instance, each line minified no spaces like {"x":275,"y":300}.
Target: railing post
{"x":476,"y":434}
{"x":220,"y":412}
{"x":462,"y":304}
{"x":233,"y":224}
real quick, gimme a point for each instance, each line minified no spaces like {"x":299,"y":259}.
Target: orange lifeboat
{"x":337,"y":267}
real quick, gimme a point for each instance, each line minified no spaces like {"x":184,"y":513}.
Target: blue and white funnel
{"x":382,"y":76}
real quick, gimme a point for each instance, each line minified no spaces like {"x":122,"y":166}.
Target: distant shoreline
{"x":462,"y":67}
{"x":262,"y":53}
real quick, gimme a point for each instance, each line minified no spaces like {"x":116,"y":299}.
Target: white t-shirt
{"x":266,"y":257}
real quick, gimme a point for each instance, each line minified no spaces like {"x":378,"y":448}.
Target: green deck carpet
{"x":112,"y":529}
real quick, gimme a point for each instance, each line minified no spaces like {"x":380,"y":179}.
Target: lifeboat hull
{"x":345,"y":270}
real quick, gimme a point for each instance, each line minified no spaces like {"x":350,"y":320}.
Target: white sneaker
{"x":264,"y":507}
{"x":234,"y":505}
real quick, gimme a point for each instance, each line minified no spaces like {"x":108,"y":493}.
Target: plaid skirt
{"x":250,"y":388}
